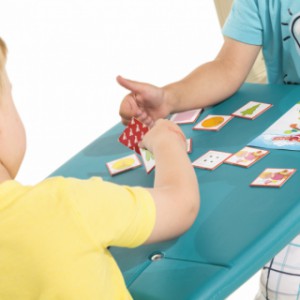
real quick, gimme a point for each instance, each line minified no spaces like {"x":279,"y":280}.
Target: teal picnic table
{"x":239,"y":228}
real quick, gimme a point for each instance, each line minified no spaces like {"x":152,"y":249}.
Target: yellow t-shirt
{"x":54,"y":237}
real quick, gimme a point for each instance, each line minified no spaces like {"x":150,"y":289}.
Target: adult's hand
{"x":145,"y":102}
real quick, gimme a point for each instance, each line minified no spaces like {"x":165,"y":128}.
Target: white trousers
{"x":280,"y":278}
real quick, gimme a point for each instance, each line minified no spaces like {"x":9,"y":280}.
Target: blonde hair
{"x":3,"y":54}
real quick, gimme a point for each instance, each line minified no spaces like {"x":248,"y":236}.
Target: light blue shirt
{"x":275,"y":25}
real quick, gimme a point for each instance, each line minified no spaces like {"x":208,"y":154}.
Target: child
{"x":55,"y":235}
{"x":272,"y":25}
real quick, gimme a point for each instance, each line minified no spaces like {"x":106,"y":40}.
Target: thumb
{"x":133,"y":86}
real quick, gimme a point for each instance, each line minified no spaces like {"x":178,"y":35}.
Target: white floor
{"x":64,"y":56}
{"x":248,"y":290}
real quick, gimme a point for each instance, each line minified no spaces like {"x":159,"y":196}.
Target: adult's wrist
{"x":170,"y":98}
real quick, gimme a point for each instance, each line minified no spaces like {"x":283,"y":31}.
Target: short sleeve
{"x":113,"y":215}
{"x":244,"y":23}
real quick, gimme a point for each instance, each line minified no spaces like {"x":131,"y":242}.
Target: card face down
{"x":186,"y":117}
{"x":273,"y":177}
{"x":133,"y":134}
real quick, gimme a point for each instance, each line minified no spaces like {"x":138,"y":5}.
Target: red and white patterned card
{"x":133,"y":134}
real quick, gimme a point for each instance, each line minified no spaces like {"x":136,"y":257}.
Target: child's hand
{"x":163,"y":132}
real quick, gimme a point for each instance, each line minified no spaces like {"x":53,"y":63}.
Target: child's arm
{"x":175,"y":192}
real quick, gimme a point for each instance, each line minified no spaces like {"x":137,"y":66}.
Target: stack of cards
{"x":212,"y":159}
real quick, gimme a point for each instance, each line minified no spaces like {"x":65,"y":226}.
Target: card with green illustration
{"x":148,"y":160}
{"x":252,"y":110}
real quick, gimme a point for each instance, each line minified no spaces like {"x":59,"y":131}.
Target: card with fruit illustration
{"x":213,"y":122}
{"x":123,"y":164}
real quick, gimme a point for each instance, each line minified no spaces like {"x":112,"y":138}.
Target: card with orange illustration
{"x":213,"y":122}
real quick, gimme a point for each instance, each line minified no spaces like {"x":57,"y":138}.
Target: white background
{"x":64,"y":56}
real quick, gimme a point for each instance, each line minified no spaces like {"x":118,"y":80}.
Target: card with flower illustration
{"x":246,"y":157}
{"x":273,"y":177}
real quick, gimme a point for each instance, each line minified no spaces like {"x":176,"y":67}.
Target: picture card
{"x":189,"y":144}
{"x":211,"y":160}
{"x":246,"y":157}
{"x":123,"y":164}
{"x":133,"y":134}
{"x":213,"y":122}
{"x":148,"y":160}
{"x":186,"y":117}
{"x":252,"y":110}
{"x":273,"y":177}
